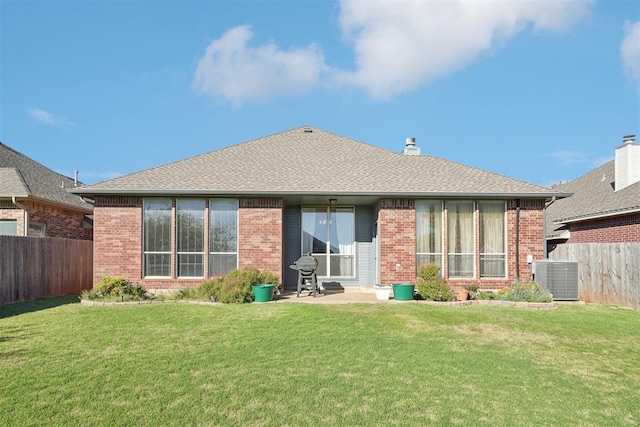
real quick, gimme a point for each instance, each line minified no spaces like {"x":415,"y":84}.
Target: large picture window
{"x":157,"y":237}
{"x":492,"y":239}
{"x":461,"y":239}
{"x":190,"y":237}
{"x":328,"y":233}
{"x":429,"y":232}
{"x":223,"y":236}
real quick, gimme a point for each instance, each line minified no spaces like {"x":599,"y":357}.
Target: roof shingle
{"x":21,"y":176}
{"x":312,"y":161}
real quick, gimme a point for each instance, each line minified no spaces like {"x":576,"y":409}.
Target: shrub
{"x":115,"y":289}
{"x":428,"y":271}
{"x":526,"y":291}
{"x":484,"y":295}
{"x":431,"y":286}
{"x":110,"y":285}
{"x":235,"y":286}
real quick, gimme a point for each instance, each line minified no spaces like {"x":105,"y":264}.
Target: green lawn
{"x":296,"y":364}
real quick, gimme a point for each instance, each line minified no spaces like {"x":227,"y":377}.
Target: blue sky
{"x":537,"y":90}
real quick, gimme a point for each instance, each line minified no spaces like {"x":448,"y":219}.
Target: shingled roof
{"x":593,"y":196}
{"x":23,"y":177}
{"x":310,"y":161}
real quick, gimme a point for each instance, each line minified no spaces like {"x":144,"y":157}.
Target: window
{"x":157,"y":237}
{"x":223,"y":236}
{"x":429,"y":232}
{"x":461,"y":239}
{"x":8,"y":227}
{"x":329,"y":234}
{"x":36,"y":229}
{"x":190,"y":237}
{"x":492,"y":239}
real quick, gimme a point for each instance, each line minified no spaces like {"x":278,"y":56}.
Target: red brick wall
{"x":398,"y":243}
{"x":117,"y":243}
{"x":118,"y":240}
{"x":397,"y":223}
{"x":531,"y":236}
{"x":260,"y":234}
{"x":623,"y":228}
{"x":59,"y":222}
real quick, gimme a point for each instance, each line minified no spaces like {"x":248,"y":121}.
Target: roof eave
{"x":589,"y":217}
{"x":87,"y":210}
{"x":409,"y":194}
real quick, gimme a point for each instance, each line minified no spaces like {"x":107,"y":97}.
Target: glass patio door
{"x":328,"y":233}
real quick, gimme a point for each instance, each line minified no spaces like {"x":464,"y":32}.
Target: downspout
{"x":517,"y":240}
{"x":545,"y":246}
{"x":25,"y":217}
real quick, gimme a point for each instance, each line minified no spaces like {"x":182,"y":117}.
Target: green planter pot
{"x":263,"y":293}
{"x":403,"y":291}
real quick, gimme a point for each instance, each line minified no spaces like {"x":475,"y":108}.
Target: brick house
{"x":367,"y":214}
{"x":35,"y":201}
{"x":605,"y":206}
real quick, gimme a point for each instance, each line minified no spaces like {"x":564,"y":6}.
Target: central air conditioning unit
{"x":558,"y":277}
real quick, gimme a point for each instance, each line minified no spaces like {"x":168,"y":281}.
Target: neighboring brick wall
{"x":260,"y":234}
{"x":7,"y":212}
{"x":397,"y":224}
{"x":117,"y":243}
{"x":623,"y":228}
{"x":59,"y":222}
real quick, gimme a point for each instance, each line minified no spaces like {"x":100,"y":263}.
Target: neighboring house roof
{"x":23,"y":177}
{"x":593,"y":197}
{"x":309,"y":161}
{"x":12,"y":184}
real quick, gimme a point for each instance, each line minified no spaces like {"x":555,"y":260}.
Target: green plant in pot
{"x":473,"y":290}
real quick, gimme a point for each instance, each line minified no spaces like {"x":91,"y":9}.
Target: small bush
{"x":235,"y":286}
{"x":428,"y":271}
{"x":431,"y":286}
{"x":115,"y":289}
{"x":110,"y":285}
{"x":484,"y":295}
{"x":525,"y":291}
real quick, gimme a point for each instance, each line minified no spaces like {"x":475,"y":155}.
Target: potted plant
{"x":383,"y":292}
{"x":462,"y":294}
{"x":472,"y":290}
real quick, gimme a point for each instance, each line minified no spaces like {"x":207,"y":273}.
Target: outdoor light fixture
{"x":333,"y":201}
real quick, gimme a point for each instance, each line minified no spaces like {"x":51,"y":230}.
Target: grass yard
{"x":296,"y":364}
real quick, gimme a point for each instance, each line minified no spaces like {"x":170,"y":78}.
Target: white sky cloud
{"x":239,"y":72}
{"x":401,"y":45}
{"x":630,"y":51}
{"x":46,"y":118}
{"x":398,"y":45}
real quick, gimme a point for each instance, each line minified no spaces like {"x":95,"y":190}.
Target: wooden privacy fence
{"x":607,"y":272}
{"x":32,"y":267}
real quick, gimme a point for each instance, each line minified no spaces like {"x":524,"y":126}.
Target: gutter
{"x":25,"y":217}
{"x":608,"y":214}
{"x":326,"y":193}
